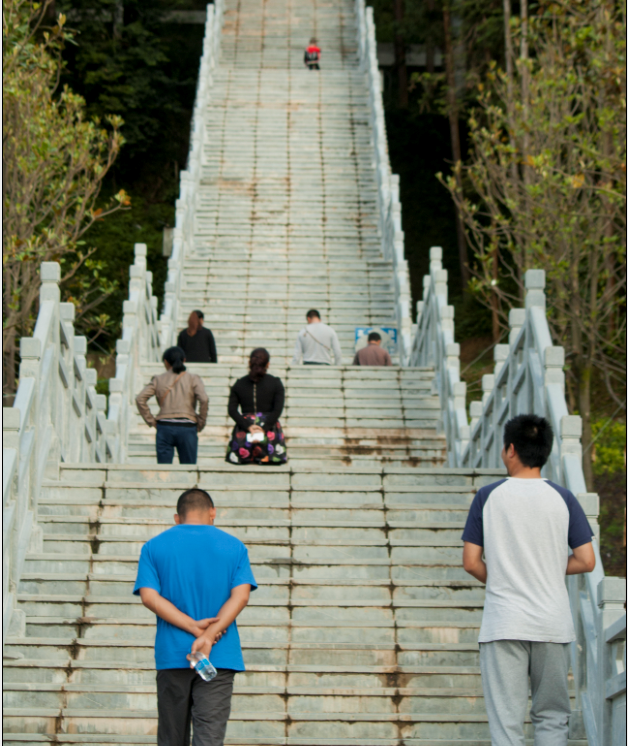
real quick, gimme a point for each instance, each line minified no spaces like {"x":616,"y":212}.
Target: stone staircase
{"x":286,"y":214}
{"x":362,"y":633}
{"x":364,"y":629}
{"x":345,"y":415}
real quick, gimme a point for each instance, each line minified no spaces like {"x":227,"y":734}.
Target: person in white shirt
{"x":316,"y":343}
{"x":517,"y":540}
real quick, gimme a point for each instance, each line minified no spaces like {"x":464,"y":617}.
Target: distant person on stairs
{"x":178,"y":423}
{"x":196,"y":579}
{"x":372,"y":354}
{"x":312,"y":55}
{"x":257,"y":437}
{"x":316,"y":343}
{"x":525,"y":526}
{"x":197,"y":342}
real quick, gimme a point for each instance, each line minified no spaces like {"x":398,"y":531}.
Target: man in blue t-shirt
{"x":525,"y":527}
{"x":196,"y":579}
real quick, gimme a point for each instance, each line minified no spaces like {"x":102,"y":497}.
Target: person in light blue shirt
{"x":196,"y":579}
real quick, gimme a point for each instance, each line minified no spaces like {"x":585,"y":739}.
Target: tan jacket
{"x":180,"y":402}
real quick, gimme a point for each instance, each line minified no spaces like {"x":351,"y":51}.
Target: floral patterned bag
{"x":271,"y":451}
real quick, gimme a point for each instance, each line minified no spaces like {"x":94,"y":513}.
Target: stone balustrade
{"x":528,"y":377}
{"x":387,"y":182}
{"x":185,"y":207}
{"x":140,"y":342}
{"x":57,"y":417}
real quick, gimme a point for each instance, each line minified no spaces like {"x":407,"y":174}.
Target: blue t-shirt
{"x":526,"y":527}
{"x":195,"y":567}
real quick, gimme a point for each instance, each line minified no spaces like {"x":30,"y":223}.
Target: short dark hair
{"x":312,"y":313}
{"x":374,"y":337}
{"x":194,"y":499}
{"x":200,"y":314}
{"x":532,"y":438}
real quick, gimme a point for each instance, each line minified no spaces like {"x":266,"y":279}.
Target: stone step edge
{"x":249,"y":645}
{"x":253,"y":541}
{"x":397,"y":717}
{"x":107,"y":739}
{"x":297,"y":691}
{"x":333,"y":582}
{"x":251,"y":668}
{"x":150,"y":622}
{"x":269,"y":603}
{"x":382,"y":469}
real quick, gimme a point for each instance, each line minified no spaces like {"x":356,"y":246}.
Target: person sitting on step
{"x":197,"y":342}
{"x":178,"y":423}
{"x":316,"y":343}
{"x":257,"y":437}
{"x":312,"y":55}
{"x":373,"y":353}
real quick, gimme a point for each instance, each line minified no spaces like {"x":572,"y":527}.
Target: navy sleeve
{"x":474,"y":528}
{"x":580,"y":531}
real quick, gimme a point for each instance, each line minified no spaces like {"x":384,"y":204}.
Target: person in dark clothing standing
{"x":257,"y":437}
{"x":197,"y":342}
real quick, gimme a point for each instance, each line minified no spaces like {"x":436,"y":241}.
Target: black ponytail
{"x":175,"y":357}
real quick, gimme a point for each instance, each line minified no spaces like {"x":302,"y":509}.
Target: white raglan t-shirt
{"x":526,"y":527}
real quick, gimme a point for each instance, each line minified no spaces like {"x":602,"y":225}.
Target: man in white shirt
{"x":525,"y":527}
{"x":316,"y":343}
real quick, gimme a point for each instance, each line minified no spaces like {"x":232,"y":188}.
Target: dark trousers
{"x":184,"y":700}
{"x":181,"y":437}
{"x":314,"y":66}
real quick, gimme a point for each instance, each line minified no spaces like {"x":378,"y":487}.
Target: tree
{"x":127,"y":60}
{"x":545,"y":187}
{"x":54,"y":162}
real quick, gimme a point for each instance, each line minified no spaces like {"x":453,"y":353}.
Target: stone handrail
{"x":183,"y":234}
{"x":140,"y":342}
{"x":387,"y":183}
{"x":433,"y":346}
{"x":528,"y":377}
{"x":57,"y":416}
{"x":144,"y":338}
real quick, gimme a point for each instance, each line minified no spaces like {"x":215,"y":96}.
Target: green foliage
{"x":129,"y":60}
{"x":545,"y":186}
{"x":54,"y":162}
{"x":115,"y":238}
{"x":610,"y":446}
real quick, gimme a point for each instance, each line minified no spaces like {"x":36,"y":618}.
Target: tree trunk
{"x":429,"y":40}
{"x":495,"y":301}
{"x":584,"y":405}
{"x":400,"y":55}
{"x":8,"y":336}
{"x":456,"y":150}
{"x":524,"y":103}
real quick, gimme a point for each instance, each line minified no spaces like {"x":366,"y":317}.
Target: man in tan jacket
{"x":178,"y":423}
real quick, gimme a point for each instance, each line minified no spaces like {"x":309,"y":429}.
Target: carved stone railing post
{"x":53,"y":419}
{"x":529,"y":377}
{"x":140,"y":343}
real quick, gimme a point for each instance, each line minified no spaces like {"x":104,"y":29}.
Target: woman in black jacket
{"x":197,"y":342}
{"x":257,"y":437}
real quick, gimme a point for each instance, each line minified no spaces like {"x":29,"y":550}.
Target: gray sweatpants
{"x":506,"y":666}
{"x":184,"y":699}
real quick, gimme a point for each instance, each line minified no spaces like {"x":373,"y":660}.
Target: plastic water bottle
{"x":203,"y":667}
